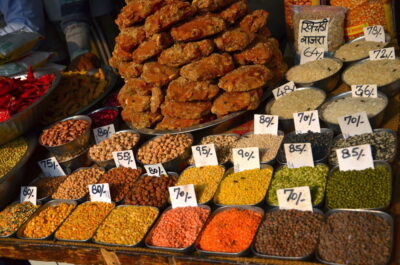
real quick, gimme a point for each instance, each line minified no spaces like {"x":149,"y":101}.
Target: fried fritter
{"x":198,"y":28}
{"x":133,"y":86}
{"x":158,"y":74}
{"x":211,"y":5}
{"x":137,"y":103}
{"x":129,"y":38}
{"x":235,"y":101}
{"x":130,"y":69}
{"x":182,"y":53}
{"x":234,"y":11}
{"x":184,"y":90}
{"x":186,"y":110}
{"x":258,"y":53}
{"x":157,"y":98}
{"x":136,"y":11}
{"x":213,"y":66}
{"x":234,"y":40}
{"x":263,"y":34}
{"x":152,"y":47}
{"x":169,"y":123}
{"x":121,"y":55}
{"x":254,"y":21}
{"x":140,"y":120}
{"x":245,"y":78}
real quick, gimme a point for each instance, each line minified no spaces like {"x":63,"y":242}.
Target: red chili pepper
{"x":103,"y":117}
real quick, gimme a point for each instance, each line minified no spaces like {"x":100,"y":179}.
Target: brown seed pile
{"x":63,"y":132}
{"x":46,"y":186}
{"x":268,"y":144}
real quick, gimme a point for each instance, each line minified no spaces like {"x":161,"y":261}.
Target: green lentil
{"x":14,"y":216}
{"x":314,"y":177}
{"x":10,"y":154}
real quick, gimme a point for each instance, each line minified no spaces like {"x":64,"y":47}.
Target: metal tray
{"x":115,"y":122}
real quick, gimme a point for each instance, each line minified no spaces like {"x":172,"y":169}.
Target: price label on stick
{"x":299,"y":155}
{"x":382,"y":54}
{"x":124,"y":159}
{"x":28,"y":194}
{"x":266,"y":124}
{"x":298,"y":198}
{"x":103,"y":133}
{"x":182,"y":196}
{"x":354,"y":124}
{"x":307,"y":121}
{"x":155,"y":170}
{"x":51,"y":168}
{"x":310,"y":54}
{"x":205,"y":155}
{"x":365,"y":91}
{"x":374,"y":33}
{"x":284,"y":90}
{"x":246,"y":158}
{"x":100,"y":192}
{"x":355,"y":157}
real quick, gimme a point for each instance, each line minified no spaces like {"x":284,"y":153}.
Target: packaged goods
{"x":63,"y":132}
{"x":103,"y":117}
{"x":313,"y":71}
{"x":16,"y":44}
{"x":289,"y":9}
{"x":357,"y":50}
{"x":34,"y":60}
{"x":46,"y":186}
{"x":12,"y":217}
{"x":268,"y":144}
{"x":10,"y":154}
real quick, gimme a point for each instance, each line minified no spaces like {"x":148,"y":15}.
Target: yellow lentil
{"x":10,"y":154}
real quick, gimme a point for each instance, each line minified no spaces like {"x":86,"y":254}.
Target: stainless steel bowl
{"x":80,"y":160}
{"x":115,"y":121}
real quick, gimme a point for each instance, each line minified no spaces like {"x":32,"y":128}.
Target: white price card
{"x":374,"y":33}
{"x":51,"y":168}
{"x":313,"y":33}
{"x":124,"y":159}
{"x":284,"y":90}
{"x":355,"y":157}
{"x":155,"y":170}
{"x":102,"y":133}
{"x":310,"y":54}
{"x":382,"y":54}
{"x":246,"y":158}
{"x":28,"y":194}
{"x":299,"y":155}
{"x":298,"y":198}
{"x":182,"y":196}
{"x":306,"y":121}
{"x":354,"y":124}
{"x":100,"y":192}
{"x":266,"y":124}
{"x":365,"y":91}
{"x":205,"y":155}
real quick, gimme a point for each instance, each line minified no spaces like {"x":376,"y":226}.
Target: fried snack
{"x":186,"y":110}
{"x":263,"y":34}
{"x":254,"y":21}
{"x":277,"y":57}
{"x":169,"y":123}
{"x":245,"y":78}
{"x":234,"y":11}
{"x":182,"y":53}
{"x":136,"y":11}
{"x":198,"y":28}
{"x":213,"y":66}
{"x":134,"y":86}
{"x":137,"y":103}
{"x":152,"y":47}
{"x":129,"y":38}
{"x":167,"y":16}
{"x":158,"y":74}
{"x":140,"y":119}
{"x":127,"y":69}
{"x":229,"y":102}
{"x":120,"y":54}
{"x":211,"y":5}
{"x":257,"y":53}
{"x":184,"y":90}
{"x":236,"y":39}
{"x":157,"y":98}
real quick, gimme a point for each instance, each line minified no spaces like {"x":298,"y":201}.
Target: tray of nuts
{"x":46,"y":186}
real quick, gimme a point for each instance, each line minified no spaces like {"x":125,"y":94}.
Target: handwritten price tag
{"x":374,"y":33}
{"x":355,"y":157}
{"x":382,"y":54}
{"x":354,"y":124}
{"x":51,"y":168}
{"x":266,"y":124}
{"x":284,"y":90}
{"x":365,"y":91}
{"x":205,"y":155}
{"x":155,"y":170}
{"x":103,"y":133}
{"x":124,"y":159}
{"x":299,"y":155}
{"x":307,"y":121}
{"x":182,"y":196}
{"x":310,"y":54}
{"x":100,"y":192}
{"x":246,"y":158}
{"x":298,"y":198}
{"x":28,"y":194}
{"x":313,"y":33}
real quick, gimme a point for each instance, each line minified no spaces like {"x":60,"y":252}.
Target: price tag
{"x":246,"y":158}
{"x":374,"y":33}
{"x":124,"y":159}
{"x":382,"y":54}
{"x":355,"y":157}
{"x":103,"y":133}
{"x":266,"y":124}
{"x":299,"y":155}
{"x":51,"y":168}
{"x":307,"y":121}
{"x":354,"y":124}
{"x":365,"y":91}
{"x":284,"y":90}
{"x":182,"y":196}
{"x":28,"y":194}
{"x":310,"y":54}
{"x":100,"y":192}
{"x":155,"y":170}
{"x":298,"y":198}
{"x":205,"y":155}
{"x":313,"y":33}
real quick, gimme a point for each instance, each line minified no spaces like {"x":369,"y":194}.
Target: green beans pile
{"x":10,"y":154}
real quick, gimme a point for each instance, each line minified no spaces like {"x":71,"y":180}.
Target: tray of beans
{"x":45,"y":221}
{"x":285,"y":177}
{"x":126,"y":225}
{"x":104,"y":116}
{"x":320,"y":144}
{"x":247,"y":187}
{"x":101,"y":153}
{"x":360,"y":189}
{"x":288,"y":234}
{"x":383,"y":144}
{"x":177,"y":229}
{"x":13,"y":216}
{"x":151,"y":190}
{"x":356,"y":237}
{"x":120,"y":181}
{"x":205,"y":181}
{"x":230,"y":231}
{"x":75,"y":186}
{"x":83,"y":221}
{"x":46,"y":186}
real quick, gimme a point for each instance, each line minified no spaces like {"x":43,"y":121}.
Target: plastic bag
{"x":289,"y":11}
{"x":35,"y":59}
{"x":16,"y":44}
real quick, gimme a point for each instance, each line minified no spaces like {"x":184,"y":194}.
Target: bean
{"x":10,"y":154}
{"x":46,"y":186}
{"x":63,"y":132}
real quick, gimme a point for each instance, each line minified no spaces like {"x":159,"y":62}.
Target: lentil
{"x":313,"y":71}
{"x":126,"y":225}
{"x":12,"y":217}
{"x":357,"y":50}
{"x":46,"y":186}
{"x":63,"y":132}
{"x":103,"y":117}
{"x":268,"y":144}
{"x":10,"y":154}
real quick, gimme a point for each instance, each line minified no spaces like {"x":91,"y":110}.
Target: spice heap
{"x":126,"y":225}
{"x":355,"y":238}
{"x":179,"y":227}
{"x":229,"y":231}
{"x":10,"y":154}
{"x":244,"y":188}
{"x":205,"y":180}
{"x":268,"y":144}
{"x":12,"y":217}
{"x":46,"y":186}
{"x":313,"y":71}
{"x":103,"y":117}
{"x":289,"y":233}
{"x":357,"y":50}
{"x":63,"y":132}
